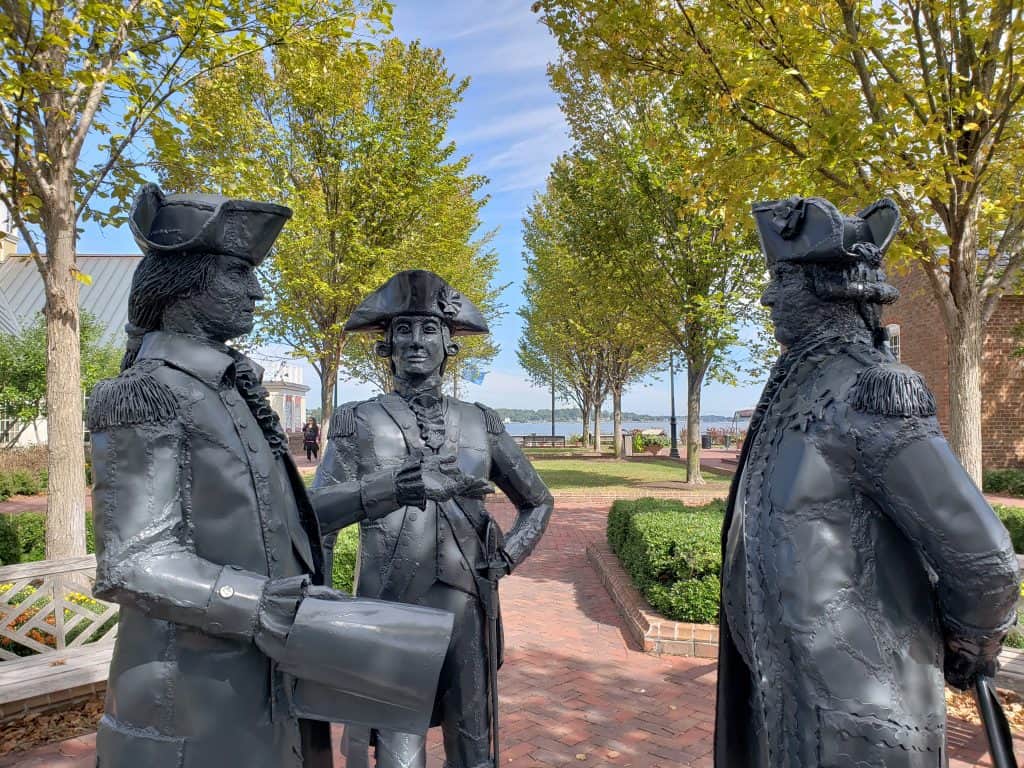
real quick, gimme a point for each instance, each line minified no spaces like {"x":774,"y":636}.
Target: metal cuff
{"x":378,"y":494}
{"x":234,"y":602}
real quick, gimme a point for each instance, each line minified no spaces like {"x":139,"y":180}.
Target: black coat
{"x":854,"y":547}
{"x":193,"y":513}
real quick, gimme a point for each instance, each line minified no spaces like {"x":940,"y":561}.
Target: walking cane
{"x":494,"y":567}
{"x":1000,"y":741}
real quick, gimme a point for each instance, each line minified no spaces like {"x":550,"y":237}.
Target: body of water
{"x":569,"y":428}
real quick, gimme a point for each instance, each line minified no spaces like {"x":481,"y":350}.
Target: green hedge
{"x":673,"y":554}
{"x":1013,"y":519}
{"x":1006,"y":481}
{"x":344,"y":567}
{"x":23,"y":537}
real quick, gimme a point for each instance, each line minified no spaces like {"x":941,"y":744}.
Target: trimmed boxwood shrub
{"x":346,"y":548}
{"x":1006,"y":481}
{"x":1013,"y":519}
{"x":673,"y":554}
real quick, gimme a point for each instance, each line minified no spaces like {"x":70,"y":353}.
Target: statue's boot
{"x":401,"y":750}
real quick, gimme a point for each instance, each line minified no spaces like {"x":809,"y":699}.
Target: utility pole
{"x":673,"y":451}
{"x":552,"y":399}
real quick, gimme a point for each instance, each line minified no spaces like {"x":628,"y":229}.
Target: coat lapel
{"x":306,"y":540}
{"x":404,"y":419}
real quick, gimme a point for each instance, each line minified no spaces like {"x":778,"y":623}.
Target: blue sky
{"x":509,"y":122}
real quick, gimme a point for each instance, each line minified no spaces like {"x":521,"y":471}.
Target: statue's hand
{"x":409,"y":489}
{"x":965,"y":662}
{"x":278,"y":606}
{"x":443,"y":480}
{"x":276,"y":613}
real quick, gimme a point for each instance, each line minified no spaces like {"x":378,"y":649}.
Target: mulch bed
{"x":41,"y":728}
{"x":963,"y":705}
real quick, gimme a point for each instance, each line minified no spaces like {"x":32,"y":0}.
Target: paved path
{"x":575,"y":691}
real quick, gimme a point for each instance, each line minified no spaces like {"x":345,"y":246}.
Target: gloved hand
{"x":443,"y":480}
{"x":967,"y":660}
{"x":278,"y":605}
{"x":409,"y":490}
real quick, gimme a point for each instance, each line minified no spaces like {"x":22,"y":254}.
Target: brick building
{"x":919,"y":338}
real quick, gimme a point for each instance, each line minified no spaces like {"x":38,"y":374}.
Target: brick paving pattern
{"x":575,"y":690}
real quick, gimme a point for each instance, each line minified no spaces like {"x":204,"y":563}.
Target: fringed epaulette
{"x":343,"y":422}
{"x":492,"y":419}
{"x":134,"y":398}
{"x":890,"y":389}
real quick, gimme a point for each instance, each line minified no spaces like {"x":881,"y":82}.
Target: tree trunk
{"x":597,"y":427}
{"x":963,"y":317}
{"x":694,"y":380}
{"x":65,"y":505}
{"x":328,"y":381}
{"x":617,"y":421}
{"x":586,"y":424}
{"x":964,"y":357}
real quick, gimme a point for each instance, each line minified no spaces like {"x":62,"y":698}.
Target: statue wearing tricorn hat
{"x":861,"y":566}
{"x":228,"y":645}
{"x":412,"y":467}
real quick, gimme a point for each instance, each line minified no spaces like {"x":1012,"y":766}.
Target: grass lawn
{"x":561,"y":474}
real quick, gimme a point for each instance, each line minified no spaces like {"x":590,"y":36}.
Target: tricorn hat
{"x":812,"y":230}
{"x":417,"y":292}
{"x":199,"y":223}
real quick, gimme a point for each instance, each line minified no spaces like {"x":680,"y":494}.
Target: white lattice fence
{"x":48,"y":606}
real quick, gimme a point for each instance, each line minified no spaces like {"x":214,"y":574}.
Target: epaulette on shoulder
{"x":134,"y":398}
{"x":343,"y":422}
{"x":891,"y":389}
{"x":492,"y":419}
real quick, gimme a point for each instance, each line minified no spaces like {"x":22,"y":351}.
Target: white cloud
{"x":514,"y":123}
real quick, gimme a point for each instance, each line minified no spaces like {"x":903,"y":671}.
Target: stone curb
{"x":652,"y":631}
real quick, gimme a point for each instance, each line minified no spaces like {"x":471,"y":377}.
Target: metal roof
{"x":22,"y":297}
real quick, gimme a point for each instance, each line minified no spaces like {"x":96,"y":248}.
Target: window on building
{"x":894,"y":340}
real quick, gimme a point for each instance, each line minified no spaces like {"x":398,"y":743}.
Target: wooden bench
{"x":77,"y":662}
{"x":540,"y":441}
{"x":1011,"y":670}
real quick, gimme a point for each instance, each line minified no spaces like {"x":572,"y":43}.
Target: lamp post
{"x":673,"y":450}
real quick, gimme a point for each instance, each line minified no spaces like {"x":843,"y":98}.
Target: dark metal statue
{"x":412,"y":467}
{"x":207,"y":540}
{"x":861,"y":565}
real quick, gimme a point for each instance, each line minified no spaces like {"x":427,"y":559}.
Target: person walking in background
{"x":311,"y":439}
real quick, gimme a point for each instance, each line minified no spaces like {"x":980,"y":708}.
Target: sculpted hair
{"x":863,"y":285}
{"x":158,"y":282}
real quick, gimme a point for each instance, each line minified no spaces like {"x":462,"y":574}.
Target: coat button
{"x":226,"y":592}
{"x":254,"y":446}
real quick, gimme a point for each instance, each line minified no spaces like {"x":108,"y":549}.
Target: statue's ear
{"x":382,"y":349}
{"x":452,"y":349}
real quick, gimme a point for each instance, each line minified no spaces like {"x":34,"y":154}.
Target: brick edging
{"x":652,"y":631}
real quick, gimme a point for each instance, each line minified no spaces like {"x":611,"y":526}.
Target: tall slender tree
{"x":921,"y":100}
{"x":79,"y":81}
{"x":353,"y":137}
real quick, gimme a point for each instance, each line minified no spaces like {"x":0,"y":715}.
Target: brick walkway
{"x":575,"y":691}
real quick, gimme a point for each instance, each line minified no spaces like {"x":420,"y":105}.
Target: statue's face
{"x":417,"y":345}
{"x":224,"y":310}
{"x":796,"y":311}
